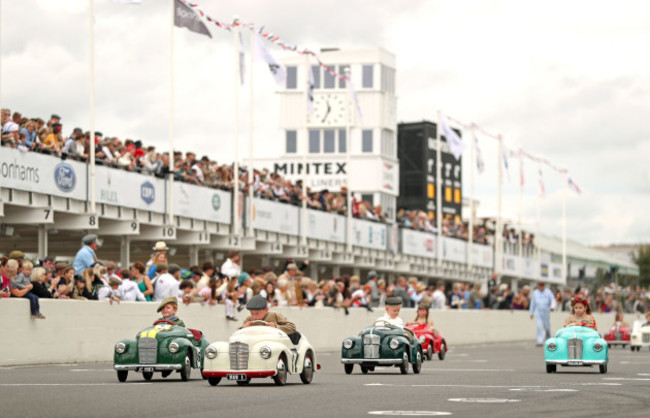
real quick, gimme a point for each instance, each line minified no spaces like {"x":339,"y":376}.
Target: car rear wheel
{"x":429,"y":354}
{"x":404,"y":367}
{"x":186,"y":371}
{"x":551,"y":368}
{"x":122,"y":375}
{"x":166,"y":373}
{"x":214,"y":381}
{"x":348,"y":368}
{"x":307,"y":370}
{"x":147,"y":375}
{"x":280,"y":377}
{"x":603,"y":368}
{"x":364,"y":369}
{"x":417,"y":366}
{"x":443,"y":350}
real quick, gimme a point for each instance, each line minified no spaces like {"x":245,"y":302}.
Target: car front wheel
{"x":280,"y":377}
{"x":603,"y":368}
{"x":122,"y":375}
{"x":429,"y":354}
{"x":186,"y":371}
{"x":214,"y":381}
{"x":551,"y":368}
{"x":348,"y":368}
{"x":443,"y":350}
{"x":307,"y":370}
{"x":147,"y":375}
{"x":404,"y":367}
{"x":417,"y":366}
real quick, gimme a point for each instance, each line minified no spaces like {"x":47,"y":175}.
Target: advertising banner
{"x":368,"y":234}
{"x":326,"y":226}
{"x":482,"y":255}
{"x":202,"y":203}
{"x":276,"y":217}
{"x":129,"y":190}
{"x":454,"y":250}
{"x":41,"y":173}
{"x":418,"y":243}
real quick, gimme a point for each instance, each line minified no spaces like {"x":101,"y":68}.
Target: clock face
{"x":330,"y":109}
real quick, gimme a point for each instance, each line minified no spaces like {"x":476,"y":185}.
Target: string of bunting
{"x":266,"y":35}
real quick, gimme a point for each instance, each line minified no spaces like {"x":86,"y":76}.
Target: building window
{"x":314,"y":141}
{"x":367,"y":197}
{"x":328,"y":140}
{"x":342,"y":69}
{"x":329,"y":81}
{"x":387,"y":143}
{"x":343,"y":143}
{"x":367,"y":73}
{"x":292,"y":142}
{"x":387,"y":79}
{"x":315,"y":70}
{"x":292,"y":77}
{"x":366,"y":140}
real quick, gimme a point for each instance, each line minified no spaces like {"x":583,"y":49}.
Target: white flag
{"x":542,"y":189}
{"x":353,"y":96}
{"x":242,"y":56}
{"x":504,"y":154}
{"x":480,"y":164}
{"x":310,"y":88}
{"x":278,"y":70}
{"x":456,"y":144}
{"x":572,"y":184}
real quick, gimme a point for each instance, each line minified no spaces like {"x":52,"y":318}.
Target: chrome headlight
{"x":422,"y":339}
{"x":265,"y":352}
{"x":120,"y":348}
{"x":551,"y":346}
{"x":393,"y":344}
{"x":211,"y":352}
{"x":598,"y":346}
{"x":347,"y":344}
{"x":173,"y":347}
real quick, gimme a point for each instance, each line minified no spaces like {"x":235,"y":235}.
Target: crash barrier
{"x":86,"y":331}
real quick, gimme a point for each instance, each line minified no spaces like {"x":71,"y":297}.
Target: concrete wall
{"x":86,"y":331}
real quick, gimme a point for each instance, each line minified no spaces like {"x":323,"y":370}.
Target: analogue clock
{"x":330,"y":109}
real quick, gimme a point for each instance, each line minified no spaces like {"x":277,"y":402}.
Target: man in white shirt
{"x":438,"y":299}
{"x":166,"y":283}
{"x":129,"y":290}
{"x":232,"y":266}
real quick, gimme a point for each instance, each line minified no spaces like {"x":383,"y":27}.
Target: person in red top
{"x":580,"y":314}
{"x":5,"y":283}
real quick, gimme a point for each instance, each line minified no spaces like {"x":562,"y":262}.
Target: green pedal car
{"x":162,"y":347}
{"x":382,"y":345}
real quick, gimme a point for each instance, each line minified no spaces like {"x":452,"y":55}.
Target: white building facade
{"x":339,"y":144}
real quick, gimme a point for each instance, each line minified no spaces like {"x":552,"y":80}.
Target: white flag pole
{"x":348,"y":150}
{"x":470,"y":249}
{"x":520,"y":226}
{"x":251,"y":140}
{"x":0,"y":74}
{"x":235,"y":188}
{"x":537,"y":228}
{"x":170,"y":176}
{"x":498,"y":233}
{"x":564,"y":269}
{"x":439,"y":192}
{"x":91,"y":145}
{"x":303,"y":217}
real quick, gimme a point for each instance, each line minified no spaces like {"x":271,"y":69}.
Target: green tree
{"x":642,"y":259}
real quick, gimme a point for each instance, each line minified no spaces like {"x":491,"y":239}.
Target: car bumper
{"x":247,"y":373}
{"x":141,"y":367}
{"x":576,"y":363}
{"x":380,"y":361}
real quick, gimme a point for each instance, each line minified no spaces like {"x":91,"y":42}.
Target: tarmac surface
{"x":508,"y":380}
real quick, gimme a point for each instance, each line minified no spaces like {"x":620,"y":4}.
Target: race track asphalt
{"x":507,"y":380}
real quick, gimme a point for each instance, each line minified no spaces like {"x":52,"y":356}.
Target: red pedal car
{"x":430,"y":345}
{"x":618,"y":335}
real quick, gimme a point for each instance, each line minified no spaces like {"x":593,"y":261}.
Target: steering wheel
{"x":163,"y":321}
{"x":259,"y":322}
{"x":378,"y":321}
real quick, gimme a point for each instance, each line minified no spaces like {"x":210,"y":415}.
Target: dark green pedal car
{"x":162,"y":347}
{"x":382,"y":345}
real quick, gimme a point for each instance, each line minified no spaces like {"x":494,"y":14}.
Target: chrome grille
{"x":371,"y":346}
{"x":618,"y":336}
{"x":238,"y":356}
{"x":148,"y":350}
{"x":574,"y":348}
{"x":646,"y":338}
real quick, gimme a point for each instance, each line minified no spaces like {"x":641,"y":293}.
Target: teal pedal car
{"x":382,"y":345}
{"x":162,"y":347}
{"x":576,"y":346}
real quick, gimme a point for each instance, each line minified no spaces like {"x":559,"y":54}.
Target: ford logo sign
{"x":64,"y":177}
{"x":147,"y":192}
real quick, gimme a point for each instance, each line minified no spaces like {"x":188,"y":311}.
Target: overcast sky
{"x":565,"y":80}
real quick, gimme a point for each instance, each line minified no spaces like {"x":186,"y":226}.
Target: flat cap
{"x":170,"y":299}
{"x":292,"y":266}
{"x":161,"y":267}
{"x":256,"y":303}
{"x":424,"y":304}
{"x":89,"y":239}
{"x":372,"y":274}
{"x":393,"y":300}
{"x":15,"y":255}
{"x":173,"y":268}
{"x":266,"y":268}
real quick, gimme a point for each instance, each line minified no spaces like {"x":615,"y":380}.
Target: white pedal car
{"x":640,"y":337}
{"x":259,"y":351}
